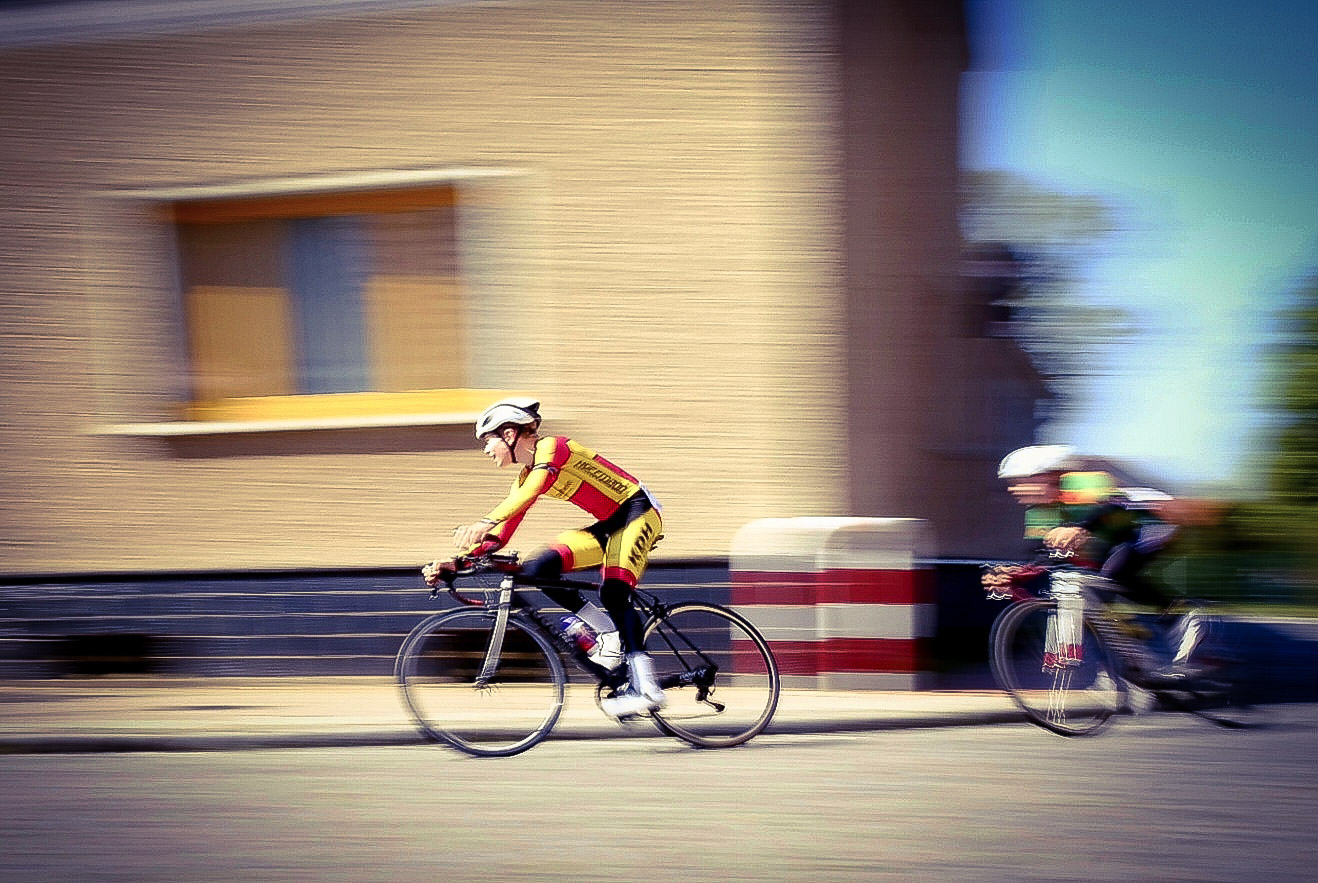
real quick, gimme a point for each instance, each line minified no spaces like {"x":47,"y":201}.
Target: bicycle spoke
{"x":512,"y":708}
{"x":721,"y":694}
{"x":1069,"y":693}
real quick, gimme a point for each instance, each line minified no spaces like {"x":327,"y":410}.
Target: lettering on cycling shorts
{"x":642,"y":547}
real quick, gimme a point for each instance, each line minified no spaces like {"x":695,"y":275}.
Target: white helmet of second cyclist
{"x":1036,"y":460}
{"x":505,"y":412}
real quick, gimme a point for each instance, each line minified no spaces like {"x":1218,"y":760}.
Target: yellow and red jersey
{"x":565,"y":470}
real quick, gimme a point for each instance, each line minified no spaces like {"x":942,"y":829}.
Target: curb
{"x":102,"y":743}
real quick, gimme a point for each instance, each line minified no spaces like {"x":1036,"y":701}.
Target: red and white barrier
{"x":845,"y":602}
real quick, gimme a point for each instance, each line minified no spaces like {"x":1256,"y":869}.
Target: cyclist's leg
{"x":1127,"y":566}
{"x":548,"y":566}
{"x":582,"y":550}
{"x":616,"y":598}
{"x":620,"y":545}
{"x":1186,"y":634}
{"x":626,"y":554}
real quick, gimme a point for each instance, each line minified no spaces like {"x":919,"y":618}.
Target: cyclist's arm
{"x":550,"y":456}
{"x":476,"y":538}
{"x":498,"y":527}
{"x":1106,"y":520}
{"x":525,"y":491}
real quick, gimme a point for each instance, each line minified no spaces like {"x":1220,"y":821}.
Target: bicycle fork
{"x":495,"y":649}
{"x":1061,"y":653}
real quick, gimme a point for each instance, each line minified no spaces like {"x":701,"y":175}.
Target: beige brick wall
{"x":675,"y":258}
{"x":674,"y":269}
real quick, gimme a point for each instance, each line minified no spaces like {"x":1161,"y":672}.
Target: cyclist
{"x":1033,"y":475}
{"x":627,"y":527}
{"x":1081,"y":513}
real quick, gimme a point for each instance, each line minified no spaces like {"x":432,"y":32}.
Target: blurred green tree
{"x":1284,"y":522}
{"x":1265,"y":549}
{"x":1293,"y":471}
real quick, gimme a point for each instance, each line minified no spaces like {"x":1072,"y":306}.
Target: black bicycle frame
{"x":650,"y":605}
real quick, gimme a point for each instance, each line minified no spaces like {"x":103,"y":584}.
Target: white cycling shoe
{"x":642,"y":695}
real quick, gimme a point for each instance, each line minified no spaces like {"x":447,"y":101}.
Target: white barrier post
{"x":845,"y":602}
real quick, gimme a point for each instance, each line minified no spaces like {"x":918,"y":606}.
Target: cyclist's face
{"x":1036,"y":490}
{"x":498,"y":449}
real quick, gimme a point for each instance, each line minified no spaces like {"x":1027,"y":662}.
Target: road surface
{"x":1161,"y":797}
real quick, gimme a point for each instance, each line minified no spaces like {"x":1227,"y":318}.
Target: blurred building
{"x":263,"y":262}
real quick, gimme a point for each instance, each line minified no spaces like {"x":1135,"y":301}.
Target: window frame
{"x":321,"y":411}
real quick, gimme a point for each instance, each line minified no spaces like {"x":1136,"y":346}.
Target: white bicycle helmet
{"x":1035,"y":460}
{"x":506,"y":412}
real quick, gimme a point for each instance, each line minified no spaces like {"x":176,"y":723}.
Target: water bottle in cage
{"x":581,"y":633}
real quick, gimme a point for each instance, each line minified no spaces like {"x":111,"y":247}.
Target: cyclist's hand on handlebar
{"x":435,"y":572}
{"x":999,"y":578}
{"x":1066,"y":540}
{"x":1009,"y":581}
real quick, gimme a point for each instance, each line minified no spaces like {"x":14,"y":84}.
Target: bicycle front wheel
{"x":719,"y":676}
{"x":1074,"y":695}
{"x":439,"y":668}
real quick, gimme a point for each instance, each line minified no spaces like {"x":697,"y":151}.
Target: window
{"x":322,"y":294}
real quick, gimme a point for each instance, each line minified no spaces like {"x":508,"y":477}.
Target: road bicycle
{"x":1071,"y":656}
{"x":489,"y":678}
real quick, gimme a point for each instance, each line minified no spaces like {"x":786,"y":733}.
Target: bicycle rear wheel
{"x":719,"y":676}
{"x":1219,"y":700}
{"x":439,"y":666}
{"x":1072,"y":699}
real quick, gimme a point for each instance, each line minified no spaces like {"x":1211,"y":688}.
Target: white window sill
{"x":184,"y":428}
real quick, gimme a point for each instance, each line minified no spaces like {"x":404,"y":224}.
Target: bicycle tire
{"x":1071,"y":700}
{"x":438,"y":668}
{"x":727,"y":706}
{"x":1222,"y":702}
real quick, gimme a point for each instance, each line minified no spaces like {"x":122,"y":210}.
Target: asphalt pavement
{"x":223,"y":714}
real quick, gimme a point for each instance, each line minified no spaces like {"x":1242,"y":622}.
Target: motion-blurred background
{"x":263,"y":262}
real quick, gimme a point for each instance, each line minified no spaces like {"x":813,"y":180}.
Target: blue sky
{"x":1198,"y":123}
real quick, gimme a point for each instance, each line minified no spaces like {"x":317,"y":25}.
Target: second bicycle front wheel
{"x":439,"y":668}
{"x":719,"y":676}
{"x":1070,"y":693}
